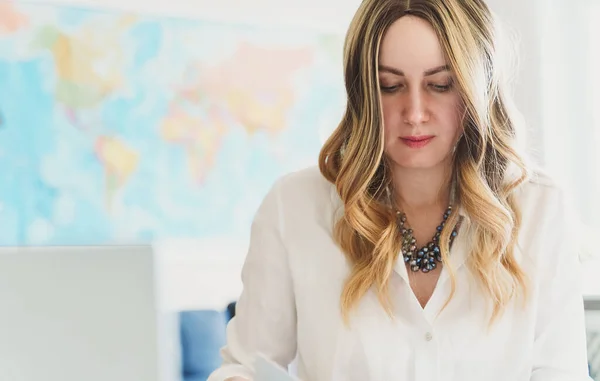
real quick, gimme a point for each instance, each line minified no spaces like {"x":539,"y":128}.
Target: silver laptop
{"x":79,"y":313}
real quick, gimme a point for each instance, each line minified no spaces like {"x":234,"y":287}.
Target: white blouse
{"x":293,"y":276}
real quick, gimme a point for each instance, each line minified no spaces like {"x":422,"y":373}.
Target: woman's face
{"x":422,"y":109}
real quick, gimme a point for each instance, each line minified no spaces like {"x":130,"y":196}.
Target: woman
{"x":424,"y":248}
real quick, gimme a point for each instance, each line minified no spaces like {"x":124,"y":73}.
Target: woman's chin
{"x":419,"y":162}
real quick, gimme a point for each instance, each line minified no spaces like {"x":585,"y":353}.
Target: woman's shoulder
{"x":309,"y":176}
{"x":301,"y":199}
{"x":547,"y":209}
{"x":541,"y":178}
{"x":305,"y":192}
{"x":304,"y":185}
{"x":541,"y":188}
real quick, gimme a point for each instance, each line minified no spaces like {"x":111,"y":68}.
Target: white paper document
{"x":267,"y":370}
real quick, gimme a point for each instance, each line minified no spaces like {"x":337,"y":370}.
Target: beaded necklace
{"x":427,"y":257}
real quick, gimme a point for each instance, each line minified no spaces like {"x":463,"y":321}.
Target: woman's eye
{"x":441,"y":88}
{"x":389,"y":89}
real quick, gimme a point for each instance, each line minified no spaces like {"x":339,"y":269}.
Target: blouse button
{"x":428,"y":336}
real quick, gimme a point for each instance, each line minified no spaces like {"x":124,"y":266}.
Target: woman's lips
{"x":417,"y":141}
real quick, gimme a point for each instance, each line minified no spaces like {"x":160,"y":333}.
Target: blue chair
{"x":202,"y":334}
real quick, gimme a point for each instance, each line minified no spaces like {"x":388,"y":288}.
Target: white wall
{"x":523,"y":21}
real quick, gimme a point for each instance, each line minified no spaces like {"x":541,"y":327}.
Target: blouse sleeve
{"x":265,"y":319}
{"x":560,"y":352}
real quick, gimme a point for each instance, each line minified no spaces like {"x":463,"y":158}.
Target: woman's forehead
{"x":411,"y":45}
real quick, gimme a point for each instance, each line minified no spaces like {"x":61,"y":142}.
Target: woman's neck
{"x":422,"y":189}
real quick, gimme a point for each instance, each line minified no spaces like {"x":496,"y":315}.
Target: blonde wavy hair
{"x":353,"y":157}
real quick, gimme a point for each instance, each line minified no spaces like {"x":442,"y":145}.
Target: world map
{"x":121,"y":128}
